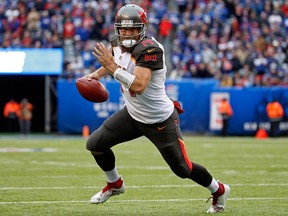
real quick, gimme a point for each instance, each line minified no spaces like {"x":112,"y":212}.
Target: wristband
{"x":124,"y":77}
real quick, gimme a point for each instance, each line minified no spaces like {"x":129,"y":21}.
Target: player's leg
{"x":225,"y":127}
{"x":169,"y":142}
{"x":22,"y":126}
{"x":116,"y":129}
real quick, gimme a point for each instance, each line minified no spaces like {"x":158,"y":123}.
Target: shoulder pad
{"x":114,"y":41}
{"x":146,"y":46}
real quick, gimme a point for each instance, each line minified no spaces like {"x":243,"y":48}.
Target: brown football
{"x":92,"y":90}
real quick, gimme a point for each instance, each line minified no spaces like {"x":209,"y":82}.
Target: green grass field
{"x":54,"y":175}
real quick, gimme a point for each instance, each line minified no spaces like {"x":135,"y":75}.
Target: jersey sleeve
{"x":148,"y":54}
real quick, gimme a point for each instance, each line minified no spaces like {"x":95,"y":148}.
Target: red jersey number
{"x":150,"y":58}
{"x":147,"y":42}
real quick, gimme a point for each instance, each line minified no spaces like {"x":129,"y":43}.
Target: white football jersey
{"x":153,"y":105}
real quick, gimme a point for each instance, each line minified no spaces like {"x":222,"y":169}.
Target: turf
{"x":55,"y":175}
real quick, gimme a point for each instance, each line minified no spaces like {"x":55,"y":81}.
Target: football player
{"x":137,"y":61}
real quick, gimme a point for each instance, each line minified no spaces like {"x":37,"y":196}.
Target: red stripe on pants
{"x":183,"y":149}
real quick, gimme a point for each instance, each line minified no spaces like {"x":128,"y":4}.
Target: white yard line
{"x":135,"y":201}
{"x":143,"y":186}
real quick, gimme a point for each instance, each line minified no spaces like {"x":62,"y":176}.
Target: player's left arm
{"x":142,"y":78}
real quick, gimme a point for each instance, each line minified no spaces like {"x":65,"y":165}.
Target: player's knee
{"x":91,"y":145}
{"x":94,"y":151}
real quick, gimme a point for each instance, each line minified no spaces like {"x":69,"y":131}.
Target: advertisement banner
{"x":198,"y":97}
{"x":31,"y":61}
{"x":215,"y":117}
{"x":74,"y":112}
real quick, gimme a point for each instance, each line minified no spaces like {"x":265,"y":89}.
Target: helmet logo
{"x":143,"y":16}
{"x":127,"y":23}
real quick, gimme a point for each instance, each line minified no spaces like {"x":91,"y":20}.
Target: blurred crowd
{"x":239,"y":42}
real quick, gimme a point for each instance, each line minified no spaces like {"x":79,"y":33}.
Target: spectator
{"x":69,"y":29}
{"x":226,"y":112}
{"x":226,"y":81}
{"x":33,"y":20}
{"x":202,"y":71}
{"x":226,"y":66}
{"x":165,"y":27}
{"x":275,"y":114}
{"x":25,"y":116}
{"x":11,"y":113}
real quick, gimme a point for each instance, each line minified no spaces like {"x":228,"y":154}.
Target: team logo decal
{"x":143,"y":16}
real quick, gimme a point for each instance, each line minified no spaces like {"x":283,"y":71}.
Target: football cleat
{"x":219,"y":200}
{"x":111,"y":189}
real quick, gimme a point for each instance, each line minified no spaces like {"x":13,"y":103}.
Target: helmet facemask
{"x":130,"y":41}
{"x":130,"y":16}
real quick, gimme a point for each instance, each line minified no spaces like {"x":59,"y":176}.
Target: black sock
{"x":106,"y":161}
{"x":200,"y":175}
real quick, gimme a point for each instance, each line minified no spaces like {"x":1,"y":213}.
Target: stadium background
{"x":240,"y":44}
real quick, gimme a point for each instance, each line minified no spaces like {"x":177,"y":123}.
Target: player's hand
{"x":93,"y":75}
{"x":104,"y":56}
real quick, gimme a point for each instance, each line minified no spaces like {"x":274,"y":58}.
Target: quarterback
{"x":137,"y":62}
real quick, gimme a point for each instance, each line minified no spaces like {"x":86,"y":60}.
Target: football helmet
{"x":130,"y":16}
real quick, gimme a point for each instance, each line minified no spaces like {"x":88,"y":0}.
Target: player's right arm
{"x":106,"y":59}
